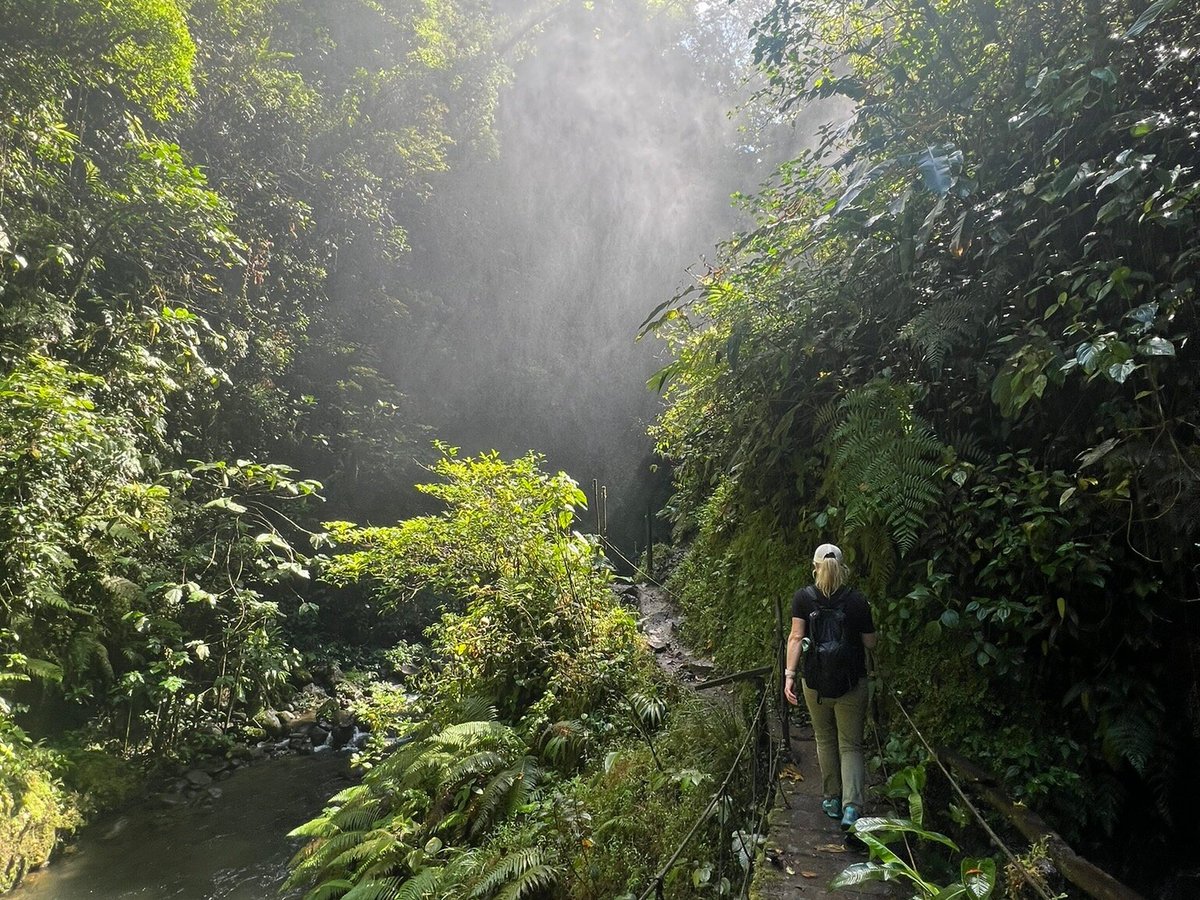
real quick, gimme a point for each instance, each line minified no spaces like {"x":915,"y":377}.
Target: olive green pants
{"x":838,"y":725}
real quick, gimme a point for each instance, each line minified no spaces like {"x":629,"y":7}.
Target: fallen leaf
{"x":791,"y":773}
{"x":791,"y":871}
{"x":833,"y":848}
{"x":809,"y":874}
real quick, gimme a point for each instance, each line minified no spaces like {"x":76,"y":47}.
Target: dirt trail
{"x":805,"y":849}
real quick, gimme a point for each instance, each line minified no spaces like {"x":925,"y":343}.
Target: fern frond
{"x":938,"y":330}
{"x":473,"y":765}
{"x":422,"y":886}
{"x":473,"y":709}
{"x":492,"y":802}
{"x":494,"y":873}
{"x":381,"y":889}
{"x":539,"y":878}
{"x":464,"y":734}
{"x":329,"y":890}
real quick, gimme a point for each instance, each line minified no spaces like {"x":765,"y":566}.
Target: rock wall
{"x":32,"y":813}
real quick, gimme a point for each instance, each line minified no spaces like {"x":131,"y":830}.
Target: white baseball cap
{"x":825,"y":551}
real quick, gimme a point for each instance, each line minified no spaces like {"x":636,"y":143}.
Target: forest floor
{"x":805,"y":849}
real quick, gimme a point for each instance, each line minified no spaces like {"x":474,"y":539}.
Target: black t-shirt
{"x":858,"y":616}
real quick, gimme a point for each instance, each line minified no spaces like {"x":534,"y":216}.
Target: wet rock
{"x":317,"y":734}
{"x":198,"y":778}
{"x":628,"y":594}
{"x":698,"y":667}
{"x":214,"y":793}
{"x":271,"y":723}
{"x":313,"y":690}
{"x":328,"y":676}
{"x":116,"y":828}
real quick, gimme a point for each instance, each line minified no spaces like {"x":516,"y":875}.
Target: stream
{"x":230,"y":845}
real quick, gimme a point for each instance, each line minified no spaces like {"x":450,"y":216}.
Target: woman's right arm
{"x":793,"y":660}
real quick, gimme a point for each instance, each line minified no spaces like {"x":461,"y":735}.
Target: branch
{"x":1084,"y":875}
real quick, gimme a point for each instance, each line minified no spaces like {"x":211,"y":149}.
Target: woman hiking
{"x":833,"y":624}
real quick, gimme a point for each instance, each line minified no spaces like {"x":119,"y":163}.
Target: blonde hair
{"x":829,"y":575}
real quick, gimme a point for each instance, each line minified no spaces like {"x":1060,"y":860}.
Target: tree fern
{"x":329,"y":890}
{"x":501,"y":795}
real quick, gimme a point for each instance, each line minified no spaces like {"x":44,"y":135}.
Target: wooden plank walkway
{"x":805,"y":848}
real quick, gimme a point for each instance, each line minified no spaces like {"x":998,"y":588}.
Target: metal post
{"x":649,"y":541}
{"x":604,"y":511}
{"x":596,"y":501}
{"x":785,"y":717}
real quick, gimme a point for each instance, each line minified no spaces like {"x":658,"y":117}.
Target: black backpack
{"x":831,"y":662}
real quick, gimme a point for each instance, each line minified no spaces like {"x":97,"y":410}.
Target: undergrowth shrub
{"x":547,"y":754}
{"x":738,"y":568}
{"x":622,"y":817}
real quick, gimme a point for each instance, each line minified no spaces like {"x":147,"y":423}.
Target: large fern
{"x":883,"y":463}
{"x":386,"y":838}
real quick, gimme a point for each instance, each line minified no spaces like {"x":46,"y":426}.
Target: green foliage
{"x":548,"y":753}
{"x":140,"y":50}
{"x":957,"y":342}
{"x":620,"y":820}
{"x":399,"y":826}
{"x":977,"y":877}
{"x":881,"y":476}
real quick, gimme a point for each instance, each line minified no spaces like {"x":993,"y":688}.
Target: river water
{"x":231,"y":847}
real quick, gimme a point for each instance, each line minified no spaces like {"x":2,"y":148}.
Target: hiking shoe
{"x":849,"y":816}
{"x":832,"y":807}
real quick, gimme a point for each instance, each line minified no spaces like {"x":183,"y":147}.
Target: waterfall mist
{"x":617,"y":157}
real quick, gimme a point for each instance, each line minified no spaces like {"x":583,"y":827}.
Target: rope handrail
{"x":657,"y":882}
{"x":1038,"y":888}
{"x":610,"y":547}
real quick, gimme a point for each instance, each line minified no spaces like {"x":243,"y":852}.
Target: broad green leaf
{"x":1156,"y":346}
{"x":979,"y":877}
{"x":861,"y":873}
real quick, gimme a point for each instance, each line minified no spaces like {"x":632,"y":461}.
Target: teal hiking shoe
{"x":832,"y":807}
{"x":849,"y":816}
